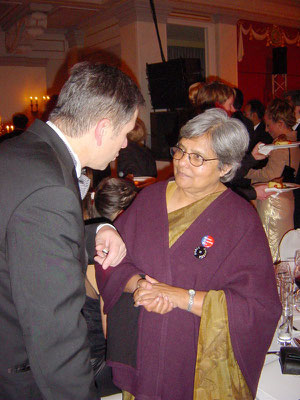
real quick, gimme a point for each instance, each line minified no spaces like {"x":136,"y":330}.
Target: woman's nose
{"x":185,"y":159}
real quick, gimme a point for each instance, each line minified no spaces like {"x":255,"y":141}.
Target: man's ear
{"x":101,"y":130}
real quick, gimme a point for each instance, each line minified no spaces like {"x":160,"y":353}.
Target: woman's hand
{"x":163,"y":298}
{"x":160,"y":305}
{"x":155,"y":296}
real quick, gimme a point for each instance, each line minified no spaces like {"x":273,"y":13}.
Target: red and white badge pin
{"x":207,"y":242}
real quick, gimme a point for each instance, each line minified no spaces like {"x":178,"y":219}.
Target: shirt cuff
{"x":104,"y":224}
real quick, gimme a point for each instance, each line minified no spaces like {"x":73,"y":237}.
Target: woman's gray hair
{"x":229,"y":138}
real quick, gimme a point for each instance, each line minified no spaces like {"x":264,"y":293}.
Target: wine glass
{"x":297,"y":279}
{"x":283,"y":272}
{"x":285,"y":284}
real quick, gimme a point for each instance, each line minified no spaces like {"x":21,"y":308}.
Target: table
{"x":273,"y":385}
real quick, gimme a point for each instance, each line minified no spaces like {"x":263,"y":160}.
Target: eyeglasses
{"x":195,"y":159}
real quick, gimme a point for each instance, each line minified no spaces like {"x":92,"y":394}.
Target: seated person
{"x":113,"y":195}
{"x":20,"y":122}
{"x":136,"y":159}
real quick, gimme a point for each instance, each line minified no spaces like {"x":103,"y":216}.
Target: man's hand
{"x":261,"y":194}
{"x":110,"y":247}
{"x":256,"y":154}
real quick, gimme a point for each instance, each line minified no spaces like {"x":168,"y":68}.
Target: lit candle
{"x":36,"y":101}
{"x":12,"y":127}
{"x":7,"y":128}
{"x":30,"y":101}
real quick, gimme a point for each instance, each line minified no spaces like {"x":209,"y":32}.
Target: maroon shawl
{"x":239,"y":263}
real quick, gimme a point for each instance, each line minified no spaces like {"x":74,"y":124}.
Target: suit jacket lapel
{"x":47,"y":134}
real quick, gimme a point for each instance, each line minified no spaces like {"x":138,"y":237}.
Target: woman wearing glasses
{"x":204,"y":306}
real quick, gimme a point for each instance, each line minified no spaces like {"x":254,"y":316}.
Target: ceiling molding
{"x":23,"y":61}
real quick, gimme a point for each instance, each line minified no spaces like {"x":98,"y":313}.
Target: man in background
{"x":238,"y":104}
{"x":255,"y":111}
{"x":44,"y":352}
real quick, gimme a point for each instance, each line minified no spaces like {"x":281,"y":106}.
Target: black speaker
{"x":279,"y":60}
{"x":169,"y":82}
{"x":165,"y":127}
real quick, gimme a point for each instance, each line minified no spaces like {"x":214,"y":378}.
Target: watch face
{"x":192,"y":292}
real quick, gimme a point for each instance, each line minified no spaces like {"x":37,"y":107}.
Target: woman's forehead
{"x":199,"y":144}
{"x":196,"y":141}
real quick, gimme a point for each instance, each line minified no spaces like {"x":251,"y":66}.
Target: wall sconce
{"x":34,"y":104}
{"x":9,"y":128}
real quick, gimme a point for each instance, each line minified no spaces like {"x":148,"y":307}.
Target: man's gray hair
{"x":95,"y":91}
{"x":229,"y":137}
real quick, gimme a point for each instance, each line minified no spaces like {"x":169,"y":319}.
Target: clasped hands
{"x":155,"y":296}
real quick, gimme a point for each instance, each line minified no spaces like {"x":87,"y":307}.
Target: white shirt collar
{"x":296,"y":124}
{"x":71,"y":151}
{"x":255,"y":126}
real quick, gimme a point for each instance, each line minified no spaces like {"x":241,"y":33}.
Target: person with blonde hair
{"x":215,"y":95}
{"x":276,"y":213}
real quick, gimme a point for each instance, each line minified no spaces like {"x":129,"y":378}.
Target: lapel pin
{"x":207,"y":242}
{"x":200,"y":252}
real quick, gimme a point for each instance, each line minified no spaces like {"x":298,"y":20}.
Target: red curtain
{"x":255,"y":69}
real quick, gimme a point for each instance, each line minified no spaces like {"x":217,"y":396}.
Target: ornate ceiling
{"x":30,"y":19}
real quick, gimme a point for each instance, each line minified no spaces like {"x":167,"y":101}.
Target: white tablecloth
{"x":273,"y":385}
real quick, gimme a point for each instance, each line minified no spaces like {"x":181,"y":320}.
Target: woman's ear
{"x":281,"y":124}
{"x":225,"y":170}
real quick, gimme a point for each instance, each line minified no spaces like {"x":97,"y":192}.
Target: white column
{"x":226,"y":49}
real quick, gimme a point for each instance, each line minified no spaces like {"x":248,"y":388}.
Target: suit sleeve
{"x":90,"y":234}
{"x":44,"y":240}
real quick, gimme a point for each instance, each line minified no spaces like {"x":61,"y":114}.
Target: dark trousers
{"x":19,"y":386}
{"x":103,"y":373}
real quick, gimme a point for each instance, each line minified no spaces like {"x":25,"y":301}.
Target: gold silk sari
{"x":217,"y":374}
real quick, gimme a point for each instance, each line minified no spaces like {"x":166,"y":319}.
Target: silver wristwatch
{"x":191,"y":299}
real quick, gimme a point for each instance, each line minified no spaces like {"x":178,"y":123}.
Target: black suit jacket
{"x":260,"y":135}
{"x":42,"y":265}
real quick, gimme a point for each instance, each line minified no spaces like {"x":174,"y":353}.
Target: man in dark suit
{"x":237,"y":104}
{"x":44,"y":353}
{"x":255,"y":111}
{"x":252,"y":158}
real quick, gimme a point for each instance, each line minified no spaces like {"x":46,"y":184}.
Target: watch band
{"x":191,"y":299}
